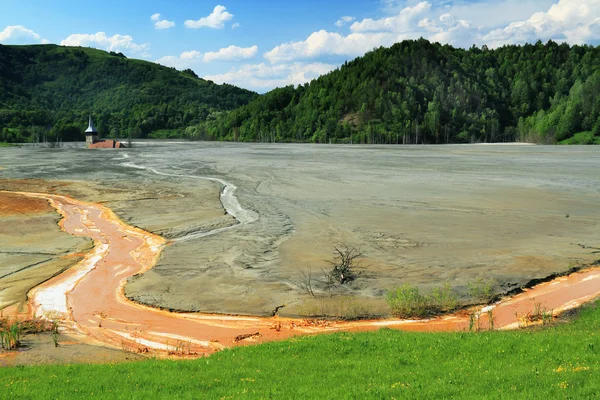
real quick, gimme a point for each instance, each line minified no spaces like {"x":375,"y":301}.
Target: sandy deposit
{"x":421,"y":214}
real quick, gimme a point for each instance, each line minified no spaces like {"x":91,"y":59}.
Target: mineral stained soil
{"x":32,"y":247}
{"x":420,"y":214}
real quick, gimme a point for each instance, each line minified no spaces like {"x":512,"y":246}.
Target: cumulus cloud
{"x":18,"y":34}
{"x":235,"y":25}
{"x":262,"y":77}
{"x":184,"y":60}
{"x":329,"y":43}
{"x":164,"y":24}
{"x":231,"y":53}
{"x":572,"y":21}
{"x":215,"y":20}
{"x":161,"y":23}
{"x":403,"y":22}
{"x":100,"y":40}
{"x":343,"y":21}
{"x":188,"y":59}
{"x":447,"y":29}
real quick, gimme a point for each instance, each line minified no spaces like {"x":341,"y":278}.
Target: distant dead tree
{"x":306,"y":281}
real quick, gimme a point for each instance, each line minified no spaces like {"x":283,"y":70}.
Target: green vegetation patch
{"x":582,"y":138}
{"x":166,"y":134}
{"x":557,"y":362}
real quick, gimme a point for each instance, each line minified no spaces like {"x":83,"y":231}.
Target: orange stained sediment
{"x":89,"y":297}
{"x":11,"y":204}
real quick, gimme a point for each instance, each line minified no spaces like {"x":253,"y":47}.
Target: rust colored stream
{"x":89,"y":300}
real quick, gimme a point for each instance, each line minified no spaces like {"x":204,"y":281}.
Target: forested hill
{"x":50,"y":90}
{"x":420,"y":92}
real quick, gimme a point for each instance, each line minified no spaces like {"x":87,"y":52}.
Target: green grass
{"x":582,"y":138}
{"x":558,"y":362}
{"x":4,"y":144}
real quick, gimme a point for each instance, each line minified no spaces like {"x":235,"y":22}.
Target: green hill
{"x":421,"y":92}
{"x":56,"y":87}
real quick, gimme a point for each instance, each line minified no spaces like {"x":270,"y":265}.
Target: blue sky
{"x":263,"y":44}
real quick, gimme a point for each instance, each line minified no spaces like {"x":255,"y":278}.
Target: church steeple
{"x":91,"y":128}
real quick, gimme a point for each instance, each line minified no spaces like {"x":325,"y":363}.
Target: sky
{"x":260,"y":44}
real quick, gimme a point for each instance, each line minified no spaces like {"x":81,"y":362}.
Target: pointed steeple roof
{"x":91,"y":128}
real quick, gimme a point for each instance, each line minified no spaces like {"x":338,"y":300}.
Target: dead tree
{"x":344,"y":265}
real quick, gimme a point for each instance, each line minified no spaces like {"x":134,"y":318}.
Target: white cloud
{"x":18,"y":34}
{"x":446,"y":29}
{"x":330,"y":43}
{"x":164,"y":24}
{"x":120,"y":43}
{"x":231,"y":53}
{"x":235,"y":25}
{"x":161,"y":23}
{"x":403,"y":22}
{"x":572,"y":21}
{"x":263,"y":77}
{"x":188,"y":59}
{"x":343,"y":21}
{"x":184,"y":60}
{"x":215,"y":20}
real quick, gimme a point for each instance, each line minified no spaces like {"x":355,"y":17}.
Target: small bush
{"x":444,"y":297}
{"x":406,"y":301}
{"x":10,"y":334}
{"x":482,"y":289}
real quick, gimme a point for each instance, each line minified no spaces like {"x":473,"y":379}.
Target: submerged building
{"x":92,"y":141}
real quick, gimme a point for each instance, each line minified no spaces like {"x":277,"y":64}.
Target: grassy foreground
{"x":558,"y":362}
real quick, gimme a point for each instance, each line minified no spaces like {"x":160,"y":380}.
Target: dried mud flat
{"x":421,"y":214}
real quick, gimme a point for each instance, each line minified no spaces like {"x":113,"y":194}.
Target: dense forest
{"x":422,"y":92}
{"x":412,"y":92}
{"x":48,"y":91}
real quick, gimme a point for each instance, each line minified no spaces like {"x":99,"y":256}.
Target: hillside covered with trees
{"x":49,"y":90}
{"x":422,"y":92}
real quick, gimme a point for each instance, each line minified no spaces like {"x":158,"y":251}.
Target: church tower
{"x":91,"y":134}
